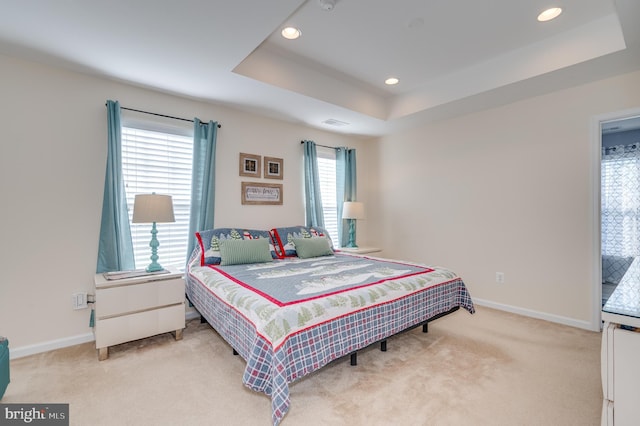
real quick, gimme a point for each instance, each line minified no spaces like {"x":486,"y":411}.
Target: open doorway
{"x":620,"y":201}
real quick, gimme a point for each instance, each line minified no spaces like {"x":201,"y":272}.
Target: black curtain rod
{"x":324,"y":146}
{"x":161,"y":115}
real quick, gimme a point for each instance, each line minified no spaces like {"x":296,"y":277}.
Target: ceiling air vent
{"x":334,"y":122}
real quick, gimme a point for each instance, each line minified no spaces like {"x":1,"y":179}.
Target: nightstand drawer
{"x":116,"y":330}
{"x":119,"y":300}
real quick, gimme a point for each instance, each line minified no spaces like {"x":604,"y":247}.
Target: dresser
{"x":133,"y":308}
{"x":620,"y":351}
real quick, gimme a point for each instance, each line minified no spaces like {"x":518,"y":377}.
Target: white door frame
{"x":595,"y":219}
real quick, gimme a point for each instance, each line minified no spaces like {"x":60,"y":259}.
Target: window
{"x":327,"y":174}
{"x":620,"y":188}
{"x":160,"y":162}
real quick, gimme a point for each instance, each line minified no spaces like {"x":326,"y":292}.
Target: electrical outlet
{"x":500,"y":277}
{"x":79,"y":300}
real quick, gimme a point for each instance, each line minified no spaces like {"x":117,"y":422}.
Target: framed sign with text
{"x":261,"y":193}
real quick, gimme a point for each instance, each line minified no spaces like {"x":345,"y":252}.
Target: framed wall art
{"x":261,"y":193}
{"x":273,"y":168}
{"x":250,"y":165}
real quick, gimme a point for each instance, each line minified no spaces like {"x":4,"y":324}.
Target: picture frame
{"x":258,"y":193}
{"x":250,"y":165}
{"x":273,"y":168}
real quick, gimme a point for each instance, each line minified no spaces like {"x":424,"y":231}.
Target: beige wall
{"x":52,"y":166}
{"x":505,"y":190}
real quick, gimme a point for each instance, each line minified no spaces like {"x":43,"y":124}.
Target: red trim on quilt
{"x":206,"y":287}
{"x":319,"y":296}
{"x":265,"y":338}
{"x":275,"y":348}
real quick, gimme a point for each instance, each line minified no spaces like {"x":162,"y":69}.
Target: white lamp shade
{"x":149,"y":208}
{"x":353,"y":210}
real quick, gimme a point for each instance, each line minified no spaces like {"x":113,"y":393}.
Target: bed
{"x":295,"y":304}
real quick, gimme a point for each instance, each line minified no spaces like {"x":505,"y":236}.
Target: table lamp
{"x":352,"y":210}
{"x":153,"y":208}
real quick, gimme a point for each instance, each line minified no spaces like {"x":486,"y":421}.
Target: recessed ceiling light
{"x":549,"y":14}
{"x":291,"y":33}
{"x":391,"y":81}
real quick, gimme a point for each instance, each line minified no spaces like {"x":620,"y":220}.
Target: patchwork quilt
{"x":290,"y":317}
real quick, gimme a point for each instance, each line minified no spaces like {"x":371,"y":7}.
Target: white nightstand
{"x":133,"y":308}
{"x":360,"y":250}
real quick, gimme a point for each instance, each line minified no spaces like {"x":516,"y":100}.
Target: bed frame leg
{"x":354,"y":358}
{"x":383,"y":345}
{"x":202,"y":320}
{"x":235,"y":352}
{"x":425,"y":327}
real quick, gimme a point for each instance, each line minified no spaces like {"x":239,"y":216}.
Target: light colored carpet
{"x":491,"y":368}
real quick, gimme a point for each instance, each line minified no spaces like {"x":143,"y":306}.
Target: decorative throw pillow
{"x":209,"y":242}
{"x":283,"y":238}
{"x":236,"y":252}
{"x":312,"y":247}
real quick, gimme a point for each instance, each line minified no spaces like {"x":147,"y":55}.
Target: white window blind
{"x":158,"y":162}
{"x":327,"y":175}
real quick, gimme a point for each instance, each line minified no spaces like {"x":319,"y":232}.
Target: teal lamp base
{"x":352,"y":234}
{"x":154,"y":266}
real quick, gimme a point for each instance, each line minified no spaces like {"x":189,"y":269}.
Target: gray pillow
{"x":312,"y":247}
{"x":236,"y":252}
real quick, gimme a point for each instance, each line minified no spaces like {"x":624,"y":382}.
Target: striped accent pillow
{"x":236,"y":252}
{"x":312,"y":247}
{"x":209,"y":242}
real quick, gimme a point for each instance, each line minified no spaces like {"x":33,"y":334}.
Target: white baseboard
{"x":193,"y":314}
{"x":586,"y":325}
{"x":23,"y":351}
{"x":49,"y":346}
